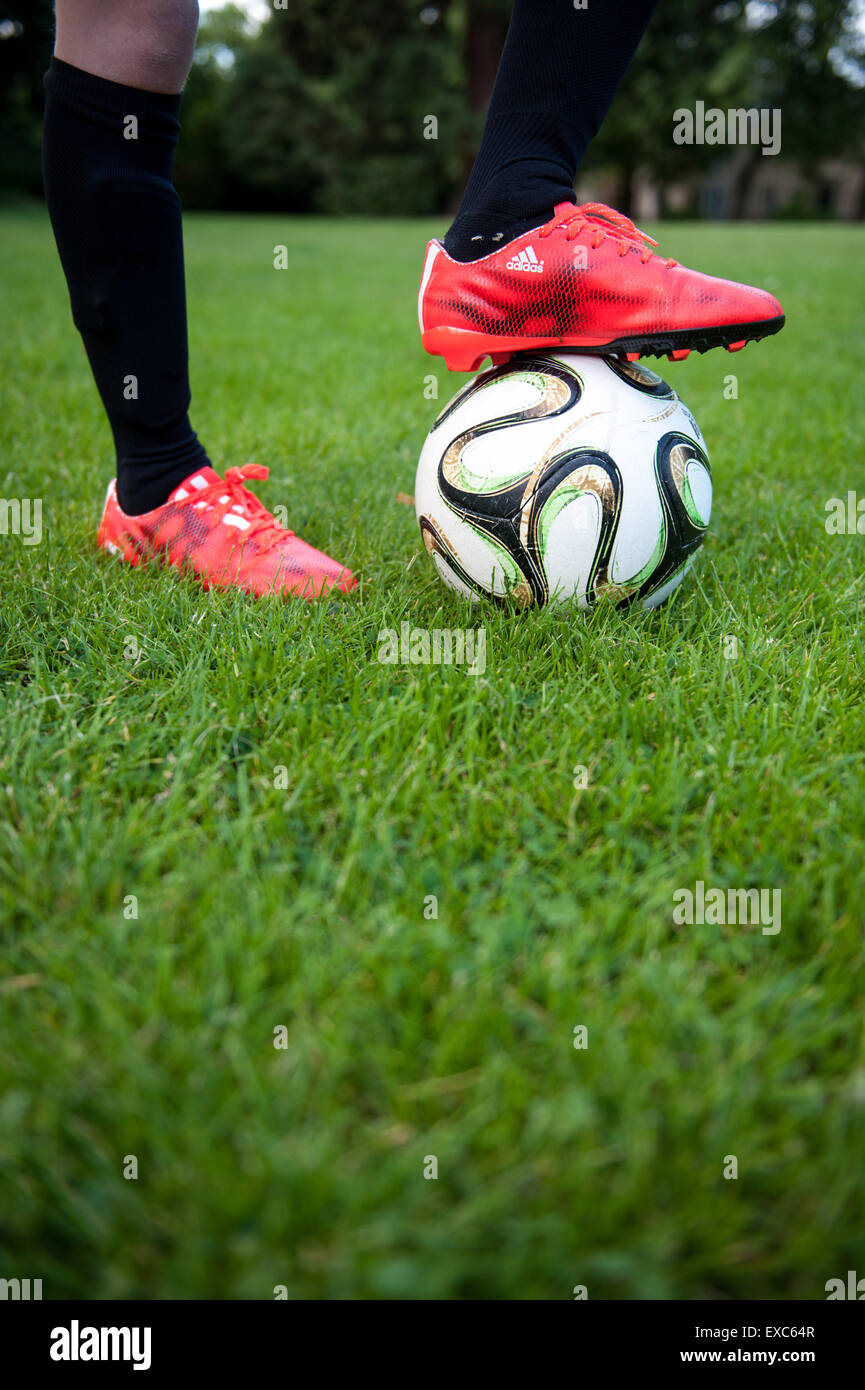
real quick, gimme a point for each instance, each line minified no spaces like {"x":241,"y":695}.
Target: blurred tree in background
{"x":26,"y":37}
{"x":327,"y":107}
{"x":372,"y":107}
{"x":799,"y":56}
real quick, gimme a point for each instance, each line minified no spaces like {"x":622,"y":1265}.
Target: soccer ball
{"x":562,"y":476}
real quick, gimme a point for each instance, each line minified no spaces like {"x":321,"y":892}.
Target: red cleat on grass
{"x":587,"y":279}
{"x":216,"y":529}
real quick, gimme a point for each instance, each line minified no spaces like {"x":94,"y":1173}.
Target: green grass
{"x":260,"y":907}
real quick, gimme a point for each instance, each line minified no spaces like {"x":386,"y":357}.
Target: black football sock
{"x":558,"y":74}
{"x":107,"y":155}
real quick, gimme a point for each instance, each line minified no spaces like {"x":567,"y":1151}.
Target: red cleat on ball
{"x":587,"y":279}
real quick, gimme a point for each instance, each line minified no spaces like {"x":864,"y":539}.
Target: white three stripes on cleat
{"x":526,"y":260}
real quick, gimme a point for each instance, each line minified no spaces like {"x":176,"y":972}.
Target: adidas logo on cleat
{"x":526,"y":260}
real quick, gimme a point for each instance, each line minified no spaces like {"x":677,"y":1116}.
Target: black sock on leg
{"x":107,"y":156}
{"x":558,"y":74}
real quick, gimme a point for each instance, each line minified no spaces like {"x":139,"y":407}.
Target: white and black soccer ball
{"x":563,"y":476}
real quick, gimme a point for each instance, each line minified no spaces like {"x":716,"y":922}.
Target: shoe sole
{"x":464,"y":350}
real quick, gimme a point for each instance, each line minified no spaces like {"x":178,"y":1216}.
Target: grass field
{"x":262,"y":906}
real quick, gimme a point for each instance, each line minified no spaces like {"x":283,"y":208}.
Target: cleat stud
{"x":463,"y":364}
{"x":632,"y":356}
{"x":678,"y":354}
{"x":736,"y":347}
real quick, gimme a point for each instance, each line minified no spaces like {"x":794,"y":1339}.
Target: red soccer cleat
{"x":217,"y":530}
{"x":587,"y":279}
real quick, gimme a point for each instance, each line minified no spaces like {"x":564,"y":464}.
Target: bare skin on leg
{"x":140,"y":43}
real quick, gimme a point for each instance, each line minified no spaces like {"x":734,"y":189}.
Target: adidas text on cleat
{"x":587,"y":279}
{"x":526,"y":260}
{"x":216,"y":529}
